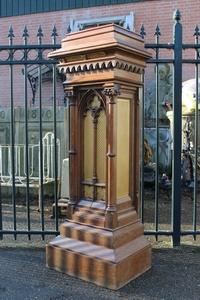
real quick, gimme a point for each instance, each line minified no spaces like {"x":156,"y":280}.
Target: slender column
{"x":111,"y":94}
{"x":72,"y":151}
{"x":94,"y":179}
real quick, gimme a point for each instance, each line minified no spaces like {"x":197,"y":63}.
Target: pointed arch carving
{"x":92,"y":110}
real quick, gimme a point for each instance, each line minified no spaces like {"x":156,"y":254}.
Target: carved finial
{"x":25,"y":34}
{"x":68,"y":29}
{"x":196,"y":31}
{"x":54,"y":34}
{"x":11,"y":34}
{"x":40,"y":34}
{"x":177,"y":15}
{"x":157,"y":31}
{"x":142,"y":31}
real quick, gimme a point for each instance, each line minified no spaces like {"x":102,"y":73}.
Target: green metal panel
{"x":15,"y":9}
{"x":52,"y":5}
{"x":9,"y":8}
{"x":20,"y":7}
{"x":40,"y":7}
{"x":3,"y":8}
{"x":86,"y":3}
{"x":92,"y":3}
{"x":72,"y":4}
{"x":79,"y":3}
{"x":33,"y":6}
{"x":46,"y":5}
{"x":27,"y":7}
{"x":59,"y":4}
{"x":65,"y":4}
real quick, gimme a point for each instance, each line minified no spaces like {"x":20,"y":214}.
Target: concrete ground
{"x":175,"y":274}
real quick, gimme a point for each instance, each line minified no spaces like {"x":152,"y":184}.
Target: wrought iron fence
{"x":30,"y":55}
{"x":173,"y":184}
{"x":34,"y":67}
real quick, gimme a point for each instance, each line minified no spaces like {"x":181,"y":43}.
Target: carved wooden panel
{"x":93,"y":137}
{"x":123,"y":147}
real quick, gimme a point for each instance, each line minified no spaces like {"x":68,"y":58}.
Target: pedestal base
{"x":109,"y":258}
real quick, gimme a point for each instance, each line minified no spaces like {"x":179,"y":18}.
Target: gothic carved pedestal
{"x":102,"y":240}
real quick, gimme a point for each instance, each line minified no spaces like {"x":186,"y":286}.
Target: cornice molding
{"x":101,"y":65}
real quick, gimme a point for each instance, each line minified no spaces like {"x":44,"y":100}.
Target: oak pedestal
{"x":102,"y":239}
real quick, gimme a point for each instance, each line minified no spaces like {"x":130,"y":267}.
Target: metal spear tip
{"x":40,"y":33}
{"x":142,"y":31}
{"x":54,"y":32}
{"x":25,"y":33}
{"x":68,"y":29}
{"x":196,"y":31}
{"x":157,"y":31}
{"x":177,"y":15}
{"x":11,"y":32}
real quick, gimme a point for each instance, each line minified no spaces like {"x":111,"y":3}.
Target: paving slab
{"x":23,"y":276}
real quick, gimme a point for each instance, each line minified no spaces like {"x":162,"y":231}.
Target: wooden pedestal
{"x":109,"y":258}
{"x":102,"y":241}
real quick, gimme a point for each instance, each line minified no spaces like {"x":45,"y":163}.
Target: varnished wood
{"x":103,"y":241}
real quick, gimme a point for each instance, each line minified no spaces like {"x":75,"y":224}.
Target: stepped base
{"x":99,"y":255}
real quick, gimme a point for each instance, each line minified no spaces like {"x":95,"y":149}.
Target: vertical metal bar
{"x":196,"y":138}
{"x":55,"y":149}
{"x":157,"y":149}
{"x":157,"y":33}
{"x":12,"y":144}
{"x":41,"y":190}
{"x":142,"y":152}
{"x":26,"y":134}
{"x":177,"y":132}
{"x":27,"y":149}
{"x":54,"y":35}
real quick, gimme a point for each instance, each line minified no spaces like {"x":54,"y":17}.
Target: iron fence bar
{"x":27,"y":148}
{"x":171,"y":61}
{"x":157,"y":233}
{"x":142,"y":151}
{"x":196,"y":135}
{"x":25,"y":36}
{"x":35,"y":232}
{"x":41,"y":196}
{"x":190,"y":232}
{"x":191,"y":46}
{"x":55,"y":149}
{"x":177,"y":132}
{"x":41,"y":200}
{"x":54,"y":35}
{"x":191,"y":61}
{"x":28,"y":62}
{"x":161,"y":61}
{"x":12,"y":142}
{"x":170,"y":46}
{"x":157,"y":34}
{"x":159,"y":46}
{"x":30,"y":47}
